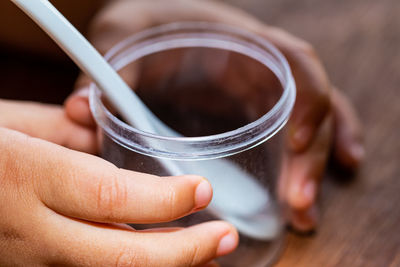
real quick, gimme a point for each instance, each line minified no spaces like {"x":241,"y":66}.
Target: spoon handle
{"x":220,"y":172}
{"x":89,"y":60}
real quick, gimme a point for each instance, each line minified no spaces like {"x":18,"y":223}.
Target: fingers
{"x":303,"y":170}
{"x":102,"y":37}
{"x":95,"y":245}
{"x":308,"y":114}
{"x":348,"y":145}
{"x":77,"y":108}
{"x":300,"y":178}
{"x":47,"y":122}
{"x":86,"y":187}
{"x":313,"y":87}
{"x":48,"y":185}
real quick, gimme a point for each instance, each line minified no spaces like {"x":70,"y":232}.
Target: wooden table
{"x":359,"y":43}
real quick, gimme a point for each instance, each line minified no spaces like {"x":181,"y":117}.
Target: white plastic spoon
{"x":253,"y":214}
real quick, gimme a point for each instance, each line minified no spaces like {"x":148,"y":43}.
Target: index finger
{"x":86,"y":187}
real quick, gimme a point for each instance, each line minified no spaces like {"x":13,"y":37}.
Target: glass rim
{"x":278,"y":115}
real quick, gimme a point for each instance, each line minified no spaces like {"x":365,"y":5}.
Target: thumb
{"x":77,"y":104}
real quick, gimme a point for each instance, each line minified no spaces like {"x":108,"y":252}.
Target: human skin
{"x":64,"y":207}
{"x":69,"y":208}
{"x":323,"y":120}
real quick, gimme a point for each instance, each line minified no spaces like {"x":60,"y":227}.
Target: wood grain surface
{"x":359,"y":43}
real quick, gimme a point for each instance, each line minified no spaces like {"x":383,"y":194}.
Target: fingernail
{"x":301,"y":195}
{"x":301,"y":137}
{"x":306,"y":221}
{"x":309,"y":190}
{"x":203,"y":194}
{"x":82,"y":92}
{"x":294,"y":195}
{"x":357,"y":152}
{"x":227,"y":244}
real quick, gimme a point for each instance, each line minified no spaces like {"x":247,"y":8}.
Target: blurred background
{"x":358,"y":42}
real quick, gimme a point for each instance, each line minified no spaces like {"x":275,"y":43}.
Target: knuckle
{"x":111,"y":195}
{"x":194,"y":256}
{"x":322,"y":102}
{"x":12,"y":172}
{"x":303,"y":55}
{"x":128,"y":256}
{"x":304,"y":48}
{"x":307,"y":49}
{"x":169,"y":201}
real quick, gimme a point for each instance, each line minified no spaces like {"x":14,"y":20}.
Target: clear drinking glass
{"x":228,"y":93}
